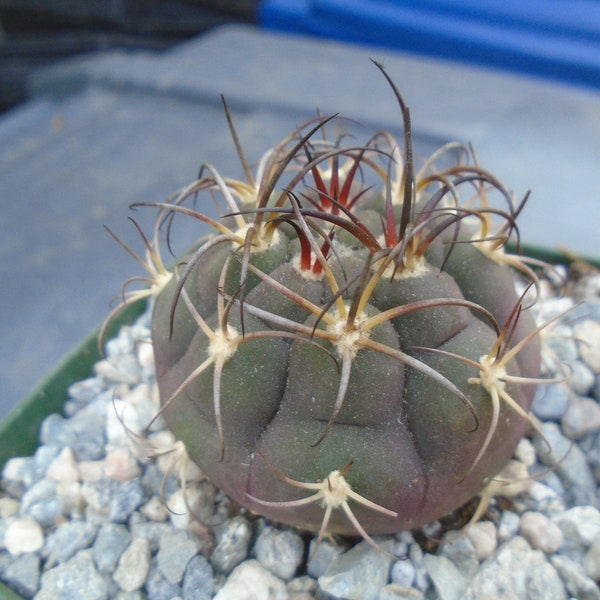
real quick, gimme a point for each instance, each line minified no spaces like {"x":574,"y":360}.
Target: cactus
{"x":346,"y":353}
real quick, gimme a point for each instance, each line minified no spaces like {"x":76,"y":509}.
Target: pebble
{"x":149,"y":530}
{"x":146,"y":356}
{"x":8,"y":507}
{"x":134,"y":565}
{"x":125,"y":497}
{"x":18,"y":475}
{"x":120,"y":345}
{"x":112,"y":540}
{"x":508,"y":526}
{"x":516,"y":571}
{"x":86,"y":390}
{"x":123,"y":422}
{"x":417,"y":556}
{"x":561,"y":343}
{"x":393,"y":591}
{"x":92,"y":471}
{"x":580,"y":524}
{"x":525,"y":454}
{"x":23,"y":535}
{"x":588,"y":289}
{"x":23,"y":574}
{"x":591,"y":561}
{"x":541,"y":532}
{"x":484,"y":537}
{"x":551,"y":402}
{"x":75,"y":578}
{"x":64,"y":467}
{"x":144,"y":406}
{"x":195,"y":501}
{"x":581,"y":418}
{"x":360,"y":573}
{"x":593,"y":454}
{"x":67,"y":540}
{"x":42,"y":503}
{"x":157,"y":587}
{"x":250,"y":581}
{"x":577,"y":583}
{"x":458,"y":547}
{"x":155,"y":510}
{"x":175,"y":551}
{"x":70,"y":499}
{"x":581,"y":377}
{"x":403,"y":573}
{"x":301,"y":588}
{"x":404,"y":540}
{"x":449,"y":581}
{"x":570,"y":463}
{"x":280,"y":552}
{"x":588,"y":338}
{"x":321,"y":557}
{"x":121,"y":369}
{"x":232,"y":547}
{"x":553,"y":306}
{"x":83,"y":433}
{"x":120,"y":464}
{"x":546,"y":497}
{"x":198,"y":581}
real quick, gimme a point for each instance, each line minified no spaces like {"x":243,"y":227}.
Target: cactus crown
{"x":348,"y":311}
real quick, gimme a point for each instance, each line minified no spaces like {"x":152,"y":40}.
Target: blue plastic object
{"x":559,"y":39}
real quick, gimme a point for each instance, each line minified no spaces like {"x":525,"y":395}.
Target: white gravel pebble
{"x":591,"y":562}
{"x":8,"y":507}
{"x":525,"y":452}
{"x":63,"y":467}
{"x":541,"y":532}
{"x":279,"y":551}
{"x":251,"y":581}
{"x":508,"y":526}
{"x":581,"y":377}
{"x":396,"y":592}
{"x":360,"y":573}
{"x":155,"y":510}
{"x":76,"y":578}
{"x":233,"y":544}
{"x":175,"y":551}
{"x":133,"y":567}
{"x":23,"y":535}
{"x":484,"y":537}
{"x":449,"y":581}
{"x":403,"y":573}
{"x":581,"y":418}
{"x":588,"y":337}
{"x":577,"y":583}
{"x":120,"y":463}
{"x":516,"y":572}
{"x":580,"y":523}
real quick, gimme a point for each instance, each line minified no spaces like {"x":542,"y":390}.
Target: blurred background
{"x":108,"y":103}
{"x":37,"y":33}
{"x":559,"y":39}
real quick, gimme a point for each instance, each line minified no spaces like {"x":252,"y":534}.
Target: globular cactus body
{"x":348,"y":359}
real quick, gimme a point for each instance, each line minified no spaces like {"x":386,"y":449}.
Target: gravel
{"x":89,"y":515}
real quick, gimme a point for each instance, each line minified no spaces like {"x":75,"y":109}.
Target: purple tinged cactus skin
{"x":343,"y":358}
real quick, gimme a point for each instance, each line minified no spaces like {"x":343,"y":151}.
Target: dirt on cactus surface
{"x":99,"y":508}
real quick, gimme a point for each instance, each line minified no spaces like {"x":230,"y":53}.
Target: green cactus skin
{"x":342,"y":358}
